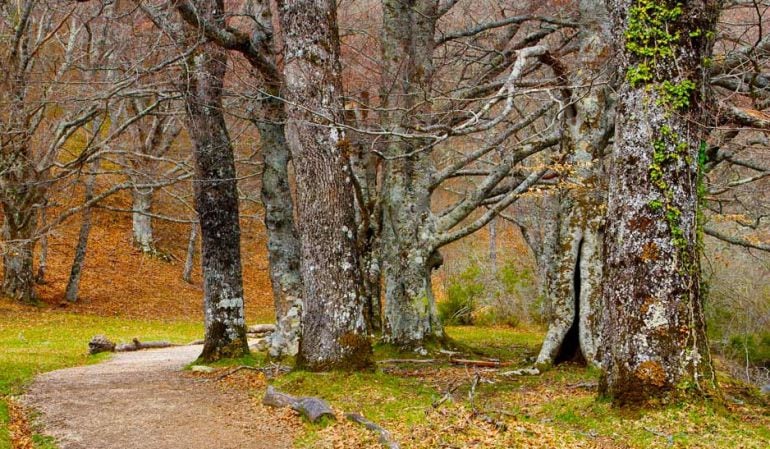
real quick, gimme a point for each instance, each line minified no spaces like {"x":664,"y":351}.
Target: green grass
{"x":35,"y":341}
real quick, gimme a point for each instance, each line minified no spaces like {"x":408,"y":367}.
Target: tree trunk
{"x":190,"y":258}
{"x":334,"y":334}
{"x":283,"y":245}
{"x":653,"y":310}
{"x":411,"y":316}
{"x":18,"y":254}
{"x":216,"y":197}
{"x":141,"y":220}
{"x":42,"y":261}
{"x":574,"y":293}
{"x":73,"y":285}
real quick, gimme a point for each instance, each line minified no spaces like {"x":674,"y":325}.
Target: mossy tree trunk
{"x":574,"y":291}
{"x":407,"y":248}
{"x":216,"y":195}
{"x":655,"y":340}
{"x":334,"y":333}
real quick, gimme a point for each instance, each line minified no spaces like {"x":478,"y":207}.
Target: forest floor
{"x":148,"y":400}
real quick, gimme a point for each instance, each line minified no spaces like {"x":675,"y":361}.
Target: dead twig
{"x":386,"y":439}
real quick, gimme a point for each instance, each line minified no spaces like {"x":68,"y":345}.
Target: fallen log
{"x":390,"y":361}
{"x":313,"y":409}
{"x":100,"y":343}
{"x":261,"y":329}
{"x":385,"y":437}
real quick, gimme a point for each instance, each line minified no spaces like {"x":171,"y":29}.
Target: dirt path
{"x":142,"y":400}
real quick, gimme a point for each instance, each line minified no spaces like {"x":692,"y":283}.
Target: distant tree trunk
{"x":493,"y":245}
{"x":73,"y":285}
{"x":42,"y":261}
{"x":574,"y":292}
{"x":283,"y":244}
{"x":411,"y":316}
{"x":216,"y":196}
{"x":141,"y":220}
{"x":334,"y":334}
{"x":190,"y":258}
{"x":653,"y":311}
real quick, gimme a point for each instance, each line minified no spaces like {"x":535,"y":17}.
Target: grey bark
{"x":282,"y":242}
{"x":42,"y":261}
{"x":73,"y":284}
{"x":269,"y":117}
{"x":574,"y":291}
{"x":334,"y":334}
{"x":216,"y":196}
{"x":141,"y":219}
{"x":408,"y":228}
{"x":189,"y":259}
{"x":652,"y":297}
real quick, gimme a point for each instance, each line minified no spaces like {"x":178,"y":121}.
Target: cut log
{"x":386,"y":439}
{"x":100,"y":343}
{"x":261,"y":329}
{"x":313,"y":409}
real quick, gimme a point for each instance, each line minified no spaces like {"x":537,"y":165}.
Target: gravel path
{"x":142,"y":400}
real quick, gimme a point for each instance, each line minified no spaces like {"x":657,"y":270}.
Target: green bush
{"x":462,"y":294}
{"x":755,"y":347}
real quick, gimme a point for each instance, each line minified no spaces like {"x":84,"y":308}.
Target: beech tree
{"x":334,"y":333}
{"x":216,"y":193}
{"x":655,"y":341}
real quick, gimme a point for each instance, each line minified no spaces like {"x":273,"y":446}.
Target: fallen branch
{"x":311,"y":408}
{"x":389,"y":361}
{"x":235,"y":370}
{"x":100,"y":343}
{"x":480,"y":363}
{"x":261,"y":329}
{"x":385,"y":437}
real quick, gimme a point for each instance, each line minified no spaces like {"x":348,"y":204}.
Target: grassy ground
{"x":34,"y":341}
{"x":435,"y":405}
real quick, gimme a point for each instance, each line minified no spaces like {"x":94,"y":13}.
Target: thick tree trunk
{"x":334,"y":334}
{"x":283,"y":245}
{"x":574,"y":292}
{"x":141,"y":220}
{"x":18,"y":255}
{"x":73,"y":285}
{"x":411,"y":317}
{"x":656,"y":342}
{"x":216,"y":197}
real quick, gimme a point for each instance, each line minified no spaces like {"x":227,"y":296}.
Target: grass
{"x":556,"y":409}
{"x":35,"y":341}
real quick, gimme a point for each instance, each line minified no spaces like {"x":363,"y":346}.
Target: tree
{"x":216,"y":193}
{"x":654,"y":332}
{"x":334,"y":333}
{"x":574,"y":292}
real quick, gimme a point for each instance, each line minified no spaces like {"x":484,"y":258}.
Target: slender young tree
{"x":334,"y":334}
{"x":653,"y":325}
{"x":216,"y":194}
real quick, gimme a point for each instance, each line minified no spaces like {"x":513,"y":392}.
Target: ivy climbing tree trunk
{"x":334,"y":334}
{"x":216,"y":195}
{"x":408,"y":250}
{"x":574,"y":292}
{"x":655,"y":340}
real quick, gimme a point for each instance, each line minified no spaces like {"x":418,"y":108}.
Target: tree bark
{"x":334,"y":334}
{"x":18,"y":254}
{"x":653,"y":303}
{"x":216,"y":196}
{"x":190,"y":257}
{"x":283,"y":246}
{"x":411,"y":316}
{"x":574,"y":293}
{"x":141,"y":220}
{"x":73,"y":285}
